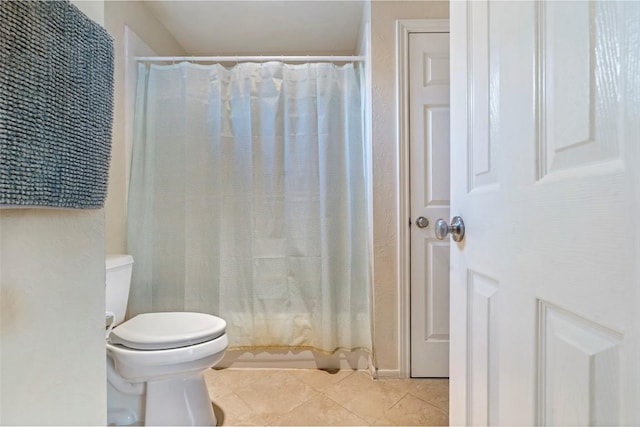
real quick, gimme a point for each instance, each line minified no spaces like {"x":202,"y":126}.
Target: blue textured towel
{"x":56,"y":105}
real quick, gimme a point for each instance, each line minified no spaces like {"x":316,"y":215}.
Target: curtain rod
{"x":347,"y":58}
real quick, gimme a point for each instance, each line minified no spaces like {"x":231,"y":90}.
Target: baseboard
{"x":386,"y":374}
{"x":294,"y":360}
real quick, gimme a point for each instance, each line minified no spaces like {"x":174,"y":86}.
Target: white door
{"x":545,"y":286}
{"x":429,"y":188}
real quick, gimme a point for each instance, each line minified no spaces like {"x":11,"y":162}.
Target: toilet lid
{"x":155,"y":331}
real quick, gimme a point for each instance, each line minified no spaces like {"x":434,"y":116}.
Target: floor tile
{"x":218,"y":384}
{"x":275,"y":397}
{"x":275,"y":392}
{"x":365,"y":397}
{"x":432,"y":390}
{"x":321,"y":411}
{"x":320,"y":379}
{"x":230,"y":410}
{"x":411,"y":411}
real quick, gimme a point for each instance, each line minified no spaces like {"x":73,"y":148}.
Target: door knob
{"x":456,"y":229}
{"x":422,"y":222}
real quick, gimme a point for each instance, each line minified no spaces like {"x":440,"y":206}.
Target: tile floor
{"x":306,"y":397}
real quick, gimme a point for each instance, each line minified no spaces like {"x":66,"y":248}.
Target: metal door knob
{"x":456,"y":229}
{"x":422,"y":222}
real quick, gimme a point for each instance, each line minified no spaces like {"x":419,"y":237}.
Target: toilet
{"x":156,"y":361}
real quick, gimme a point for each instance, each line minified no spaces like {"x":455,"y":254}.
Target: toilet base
{"x":179,"y":402}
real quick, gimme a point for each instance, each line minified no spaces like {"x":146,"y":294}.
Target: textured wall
{"x":52,"y":354}
{"x":94,"y":9}
{"x":385,"y":167}
{"x":136,"y":16}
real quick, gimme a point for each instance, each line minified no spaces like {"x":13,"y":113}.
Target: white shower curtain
{"x":248,"y":201}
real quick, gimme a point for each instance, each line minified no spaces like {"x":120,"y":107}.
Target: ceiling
{"x":264,"y":27}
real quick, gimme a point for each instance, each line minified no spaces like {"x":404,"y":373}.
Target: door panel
{"x":544,"y":172}
{"x":579,"y":368}
{"x":481,"y":154}
{"x":429,"y":184}
{"x":577,"y":113}
{"x":482,"y":341}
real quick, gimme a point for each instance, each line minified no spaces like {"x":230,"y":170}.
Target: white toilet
{"x":156,"y":361}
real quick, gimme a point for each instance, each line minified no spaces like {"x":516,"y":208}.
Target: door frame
{"x":404,"y":27}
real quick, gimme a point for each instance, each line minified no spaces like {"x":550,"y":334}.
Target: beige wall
{"x":52,"y":354}
{"x":94,"y":9}
{"x":135,"y":15}
{"x":385,"y":168}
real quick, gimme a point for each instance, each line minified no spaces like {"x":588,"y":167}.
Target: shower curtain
{"x":248,"y":201}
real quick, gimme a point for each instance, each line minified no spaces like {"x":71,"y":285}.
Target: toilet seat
{"x":144,"y":365}
{"x":168,"y":330}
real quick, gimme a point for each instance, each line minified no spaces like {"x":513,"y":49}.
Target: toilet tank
{"x":118,"y":268}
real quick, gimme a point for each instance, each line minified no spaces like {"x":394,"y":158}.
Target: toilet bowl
{"x":156,"y":361}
